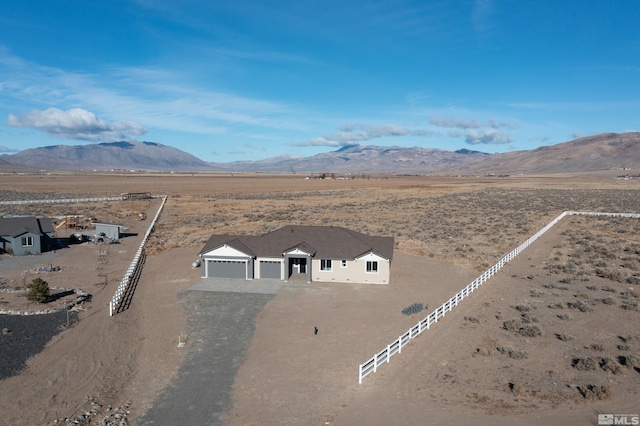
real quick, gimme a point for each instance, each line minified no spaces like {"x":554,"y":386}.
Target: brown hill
{"x":7,"y":167}
{"x":607,"y":151}
{"x":149,"y":156}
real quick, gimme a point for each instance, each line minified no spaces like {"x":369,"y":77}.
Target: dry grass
{"x":592,"y":268}
{"x":464,"y":222}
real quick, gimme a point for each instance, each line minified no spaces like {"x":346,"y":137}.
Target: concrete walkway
{"x":262,"y":286}
{"x":220,"y":323}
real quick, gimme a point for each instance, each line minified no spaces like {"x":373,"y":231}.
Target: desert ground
{"x":551,"y":339}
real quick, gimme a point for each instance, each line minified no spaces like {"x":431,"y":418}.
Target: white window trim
{"x":371,"y":270}
{"x":328,"y":265}
{"x":28,"y":240}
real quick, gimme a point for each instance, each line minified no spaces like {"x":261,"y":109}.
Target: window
{"x":27,"y":241}
{"x":325,"y":264}
{"x":372,"y":266}
{"x":343,"y":263}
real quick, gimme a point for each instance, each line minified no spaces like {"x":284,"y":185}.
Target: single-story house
{"x":317,"y":253}
{"x":25,"y":235}
{"x":108,"y":230}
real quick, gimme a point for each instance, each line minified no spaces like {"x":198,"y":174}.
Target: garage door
{"x":226,"y":269}
{"x":270,"y":269}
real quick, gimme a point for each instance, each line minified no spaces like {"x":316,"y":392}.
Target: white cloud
{"x":454,"y":123}
{"x":577,"y":134}
{"x":461,"y":123}
{"x":76,"y":123}
{"x":154,"y":97}
{"x":487,"y":137}
{"x":349,"y":134}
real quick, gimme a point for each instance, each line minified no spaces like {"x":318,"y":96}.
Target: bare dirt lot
{"x":552,"y":338}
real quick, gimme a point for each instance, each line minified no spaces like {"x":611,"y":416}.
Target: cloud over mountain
{"x":487,"y":137}
{"x":349,"y":135}
{"x":76,"y":123}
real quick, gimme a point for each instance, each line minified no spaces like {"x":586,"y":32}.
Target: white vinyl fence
{"x":63,"y":200}
{"x":372,"y":364}
{"x":134,"y":268}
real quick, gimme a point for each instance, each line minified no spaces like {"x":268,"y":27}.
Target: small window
{"x":325,"y":264}
{"x":27,"y":241}
{"x":343,"y":263}
{"x":372,"y":266}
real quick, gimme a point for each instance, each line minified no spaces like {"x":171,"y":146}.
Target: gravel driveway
{"x":220,"y":322}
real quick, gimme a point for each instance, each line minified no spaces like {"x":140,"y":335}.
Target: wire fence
{"x":372,"y":364}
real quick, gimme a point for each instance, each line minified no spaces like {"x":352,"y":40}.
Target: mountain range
{"x":605,"y":151}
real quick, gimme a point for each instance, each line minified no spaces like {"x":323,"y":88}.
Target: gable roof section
{"x":331,"y":242}
{"x":235,"y":241}
{"x":38,"y":225}
{"x":22,"y":231}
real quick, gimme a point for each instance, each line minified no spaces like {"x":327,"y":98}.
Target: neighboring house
{"x":108,"y":230}
{"x":318,"y":253}
{"x":26,"y":235}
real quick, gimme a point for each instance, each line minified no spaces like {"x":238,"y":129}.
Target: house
{"x":26,"y":235}
{"x":317,"y":253}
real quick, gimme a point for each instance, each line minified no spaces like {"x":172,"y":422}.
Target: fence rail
{"x":134,"y":270}
{"x":63,"y":200}
{"x":371,"y":365}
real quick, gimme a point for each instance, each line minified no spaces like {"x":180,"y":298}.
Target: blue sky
{"x":247,"y":80}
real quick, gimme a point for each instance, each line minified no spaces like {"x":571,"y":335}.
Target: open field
{"x":553,"y":336}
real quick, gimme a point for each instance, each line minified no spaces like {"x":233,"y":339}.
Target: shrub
{"x":595,"y":392}
{"x":579,"y":305}
{"x":511,"y":325}
{"x":536,"y":293}
{"x":512,"y":353}
{"x":38,"y":291}
{"x":629,"y":361}
{"x":530,"y":331}
{"x":525,"y":330}
{"x":585,"y":364}
{"x":608,"y":364}
{"x":564,"y":337}
{"x":524,"y":307}
{"x":630,"y":306}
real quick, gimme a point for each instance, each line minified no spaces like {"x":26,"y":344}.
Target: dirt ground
{"x":470,"y":368}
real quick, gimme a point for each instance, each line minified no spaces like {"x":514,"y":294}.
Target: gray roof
{"x":326,"y":242}
{"x":18,"y":225}
{"x":108,"y":224}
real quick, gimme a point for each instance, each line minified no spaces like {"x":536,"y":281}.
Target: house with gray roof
{"x":26,"y":235}
{"x":316,"y":253}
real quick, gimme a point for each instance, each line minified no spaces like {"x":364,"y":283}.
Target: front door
{"x":298,"y":265}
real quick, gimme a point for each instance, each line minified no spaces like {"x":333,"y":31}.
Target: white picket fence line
{"x":371,"y":365}
{"x":64,"y":200}
{"x":135,"y":264}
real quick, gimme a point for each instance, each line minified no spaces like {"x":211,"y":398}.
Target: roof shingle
{"x":327,"y":242}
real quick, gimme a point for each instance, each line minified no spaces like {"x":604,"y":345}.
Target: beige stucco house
{"x":316,"y":253}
